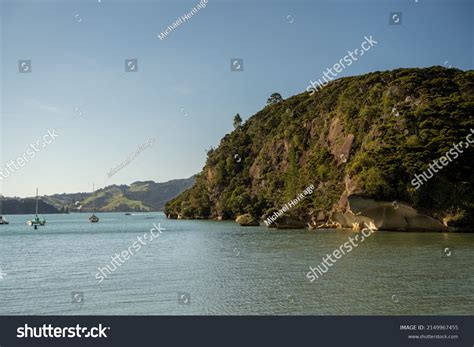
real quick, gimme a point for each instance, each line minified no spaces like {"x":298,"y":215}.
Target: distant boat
{"x":93,"y":218}
{"x":128,"y":214}
{"x":3,"y":221}
{"x":36,"y":222}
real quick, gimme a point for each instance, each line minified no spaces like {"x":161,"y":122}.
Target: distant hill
{"x":139,"y":196}
{"x":26,"y":206}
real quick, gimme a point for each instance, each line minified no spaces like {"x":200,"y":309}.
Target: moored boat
{"x":36,"y":222}
{"x":93,"y":218}
{"x":3,"y":221}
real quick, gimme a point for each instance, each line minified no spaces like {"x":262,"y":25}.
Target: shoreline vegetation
{"x":361,"y":140}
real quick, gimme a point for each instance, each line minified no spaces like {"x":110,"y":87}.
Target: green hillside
{"x":139,"y":196}
{"x":359,"y":136}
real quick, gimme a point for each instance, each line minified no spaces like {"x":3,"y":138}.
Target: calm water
{"x":227,"y":269}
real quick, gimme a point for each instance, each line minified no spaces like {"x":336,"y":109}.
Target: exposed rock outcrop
{"x":383,"y":215}
{"x":289,"y":222}
{"x":246,"y":220}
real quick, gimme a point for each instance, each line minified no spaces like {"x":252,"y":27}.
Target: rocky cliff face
{"x":360,"y":141}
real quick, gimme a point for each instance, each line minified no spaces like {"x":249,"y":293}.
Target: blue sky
{"x":78,"y":84}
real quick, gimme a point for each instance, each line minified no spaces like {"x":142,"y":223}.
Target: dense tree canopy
{"x":367,"y":134}
{"x":275,"y":98}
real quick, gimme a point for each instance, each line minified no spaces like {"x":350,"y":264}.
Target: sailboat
{"x":36,"y":222}
{"x":2,"y":220}
{"x":93,"y":218}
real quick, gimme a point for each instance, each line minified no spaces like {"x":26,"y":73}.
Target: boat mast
{"x":36,"y":201}
{"x":93,"y":199}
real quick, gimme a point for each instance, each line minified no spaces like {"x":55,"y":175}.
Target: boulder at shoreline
{"x":246,"y":220}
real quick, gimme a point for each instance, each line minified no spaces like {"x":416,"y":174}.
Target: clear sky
{"x":184,"y":93}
